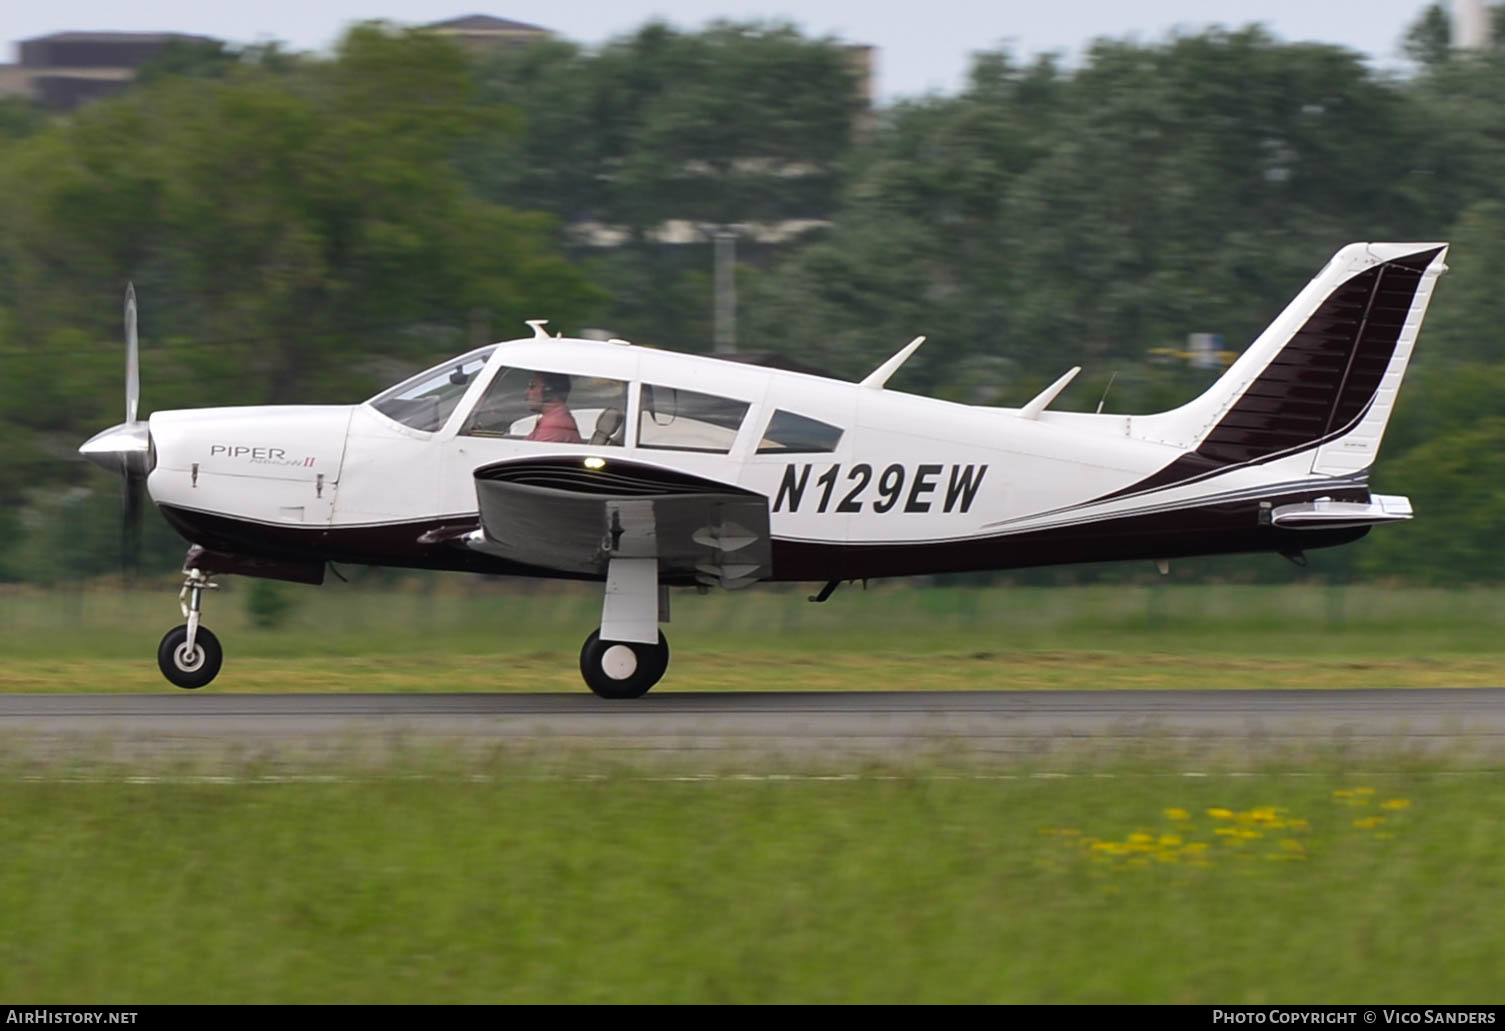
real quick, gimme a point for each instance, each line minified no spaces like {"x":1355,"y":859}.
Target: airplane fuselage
{"x":913,"y":485}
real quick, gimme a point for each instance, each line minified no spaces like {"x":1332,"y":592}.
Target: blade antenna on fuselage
{"x":880,"y":375}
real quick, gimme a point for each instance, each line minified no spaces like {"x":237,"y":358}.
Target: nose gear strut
{"x":190,"y":655}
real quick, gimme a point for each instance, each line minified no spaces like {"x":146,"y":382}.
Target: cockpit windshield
{"x":426,"y":401}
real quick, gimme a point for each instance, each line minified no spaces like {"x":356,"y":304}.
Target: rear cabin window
{"x":790,"y":434}
{"x":683,"y":420}
{"x":550,"y":408}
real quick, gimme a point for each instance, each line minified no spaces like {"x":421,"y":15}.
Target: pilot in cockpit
{"x":547,"y":394}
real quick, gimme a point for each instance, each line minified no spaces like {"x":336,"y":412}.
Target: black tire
{"x":652,"y":661}
{"x":186,"y":671}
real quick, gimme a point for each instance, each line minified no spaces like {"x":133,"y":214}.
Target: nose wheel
{"x":189,"y":665}
{"x":622,"y":669}
{"x":190,"y":655}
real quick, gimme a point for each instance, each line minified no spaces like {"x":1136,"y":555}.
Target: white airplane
{"x":647,"y":469}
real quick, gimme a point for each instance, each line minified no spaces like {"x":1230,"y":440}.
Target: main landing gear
{"x":622,"y":669}
{"x":190,"y":655}
{"x":629,"y":654}
{"x":623,"y":659}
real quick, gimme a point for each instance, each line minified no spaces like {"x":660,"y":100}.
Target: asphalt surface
{"x":1252,"y":724}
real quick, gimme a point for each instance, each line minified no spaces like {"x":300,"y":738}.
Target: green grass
{"x":578,"y":883}
{"x":457,"y":634}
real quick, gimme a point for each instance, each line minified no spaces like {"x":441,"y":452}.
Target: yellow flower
{"x":1369,"y":822}
{"x":1340,"y":793}
{"x":1169,"y":840}
{"x":1178,"y":814}
{"x":1396,"y":803}
{"x":1220,"y":814}
{"x":1363,"y":791}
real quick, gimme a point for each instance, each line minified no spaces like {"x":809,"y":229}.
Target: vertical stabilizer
{"x":1322,"y":378}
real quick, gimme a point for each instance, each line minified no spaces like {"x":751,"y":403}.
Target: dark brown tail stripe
{"x":1320,"y":384}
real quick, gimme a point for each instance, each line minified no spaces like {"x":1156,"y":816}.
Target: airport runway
{"x":1253,"y":724}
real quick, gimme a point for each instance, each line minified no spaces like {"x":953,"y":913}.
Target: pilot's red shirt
{"x":557,"y":426}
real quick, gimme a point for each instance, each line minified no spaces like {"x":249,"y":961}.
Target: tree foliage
{"x":299,"y":228}
{"x":282,"y":227}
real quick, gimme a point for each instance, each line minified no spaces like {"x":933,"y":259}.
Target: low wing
{"x":576,"y":515}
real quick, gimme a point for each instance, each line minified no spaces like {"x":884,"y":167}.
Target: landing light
{"x":595,"y":463}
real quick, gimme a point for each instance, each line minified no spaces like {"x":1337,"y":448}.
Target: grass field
{"x":444,"y":634}
{"x":519,"y":884}
{"x":567,"y":877}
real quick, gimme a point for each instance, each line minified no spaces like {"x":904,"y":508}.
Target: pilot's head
{"x":548,"y":388}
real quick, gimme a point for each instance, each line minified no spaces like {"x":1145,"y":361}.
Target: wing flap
{"x":555,"y":514}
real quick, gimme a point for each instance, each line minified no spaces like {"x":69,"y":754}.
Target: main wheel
{"x":622,"y":669}
{"x":186,"y":668}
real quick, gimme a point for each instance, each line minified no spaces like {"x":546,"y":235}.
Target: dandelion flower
{"x":1178,"y":814}
{"x":1396,"y":803}
{"x":1220,"y":814}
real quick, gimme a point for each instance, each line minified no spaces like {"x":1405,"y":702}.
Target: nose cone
{"x":124,"y":449}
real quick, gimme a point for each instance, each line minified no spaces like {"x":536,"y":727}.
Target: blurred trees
{"x":299,"y":227}
{"x":739,"y":123}
{"x":1089,"y":217}
{"x":285,"y":224}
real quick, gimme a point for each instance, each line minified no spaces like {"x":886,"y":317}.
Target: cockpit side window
{"x":789,"y":433}
{"x":551,"y":408}
{"x":684,"y":420}
{"x":426,"y":401}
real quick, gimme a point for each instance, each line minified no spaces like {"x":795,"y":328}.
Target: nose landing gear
{"x":190,"y":655}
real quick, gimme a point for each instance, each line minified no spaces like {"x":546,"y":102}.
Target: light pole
{"x":725,"y":338}
{"x":1471,"y":28}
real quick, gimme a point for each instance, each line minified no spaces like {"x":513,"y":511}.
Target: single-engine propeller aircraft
{"x":646,"y":469}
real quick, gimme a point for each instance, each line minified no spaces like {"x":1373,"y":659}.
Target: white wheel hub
{"x":619,"y":662}
{"x":186,"y":660}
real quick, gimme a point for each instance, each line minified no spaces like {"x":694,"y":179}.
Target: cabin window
{"x":790,"y":434}
{"x":551,"y":408}
{"x":684,"y":420}
{"x":426,"y":401}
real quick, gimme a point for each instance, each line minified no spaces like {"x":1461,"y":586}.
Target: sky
{"x":922,"y":46}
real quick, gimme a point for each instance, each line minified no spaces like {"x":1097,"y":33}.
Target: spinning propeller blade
{"x":132,"y":362}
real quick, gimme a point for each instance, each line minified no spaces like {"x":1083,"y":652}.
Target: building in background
{"x":482,"y":32}
{"x":66,"y":69}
